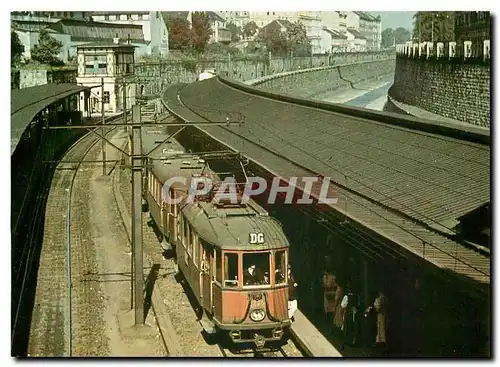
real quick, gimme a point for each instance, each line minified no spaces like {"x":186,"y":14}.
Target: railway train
{"x":217,"y":245}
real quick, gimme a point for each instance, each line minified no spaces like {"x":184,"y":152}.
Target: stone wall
{"x":313,"y":82}
{"x":460,"y":91}
{"x":155,"y":77}
{"x":41,"y":76}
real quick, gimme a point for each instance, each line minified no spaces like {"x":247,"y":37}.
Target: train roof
{"x":224,"y":227}
{"x":231,"y":228}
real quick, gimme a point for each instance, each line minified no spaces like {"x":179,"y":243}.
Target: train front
{"x":252,"y":284}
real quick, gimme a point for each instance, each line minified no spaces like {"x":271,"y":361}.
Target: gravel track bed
{"x":49,"y":329}
{"x":100,"y":272}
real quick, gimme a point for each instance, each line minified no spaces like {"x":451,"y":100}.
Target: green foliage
{"x":16,"y":49}
{"x":387,"y":38}
{"x":437,"y":26}
{"x":220,"y":49}
{"x":179,"y":34}
{"x":293,"y":39}
{"x":402,"y":35}
{"x":201,"y":30}
{"x":250,"y":29}
{"x":235,"y":31}
{"x":47,"y":50}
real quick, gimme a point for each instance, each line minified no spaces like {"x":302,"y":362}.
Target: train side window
{"x":280,"y":267}
{"x":158,"y":192}
{"x":194,"y":245}
{"x":185,"y":232}
{"x":231,"y":270}
{"x":189,"y":239}
{"x":218,"y":266}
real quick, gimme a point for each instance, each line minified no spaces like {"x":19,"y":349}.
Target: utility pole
{"x":103,"y":142}
{"x":137,"y":214}
{"x":124,"y":103}
{"x":432,"y":29}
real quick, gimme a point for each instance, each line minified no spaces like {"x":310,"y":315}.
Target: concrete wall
{"x":155,"y":77}
{"x":459,"y":91}
{"x":32,"y":78}
{"x":320,"y":80}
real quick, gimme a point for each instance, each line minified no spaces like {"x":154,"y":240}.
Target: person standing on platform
{"x":292,"y":294}
{"x":338,"y":318}
{"x":329,"y":285}
{"x":380,"y":306}
{"x":350,"y":304}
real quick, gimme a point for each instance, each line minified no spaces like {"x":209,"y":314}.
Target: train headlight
{"x":257,"y":315}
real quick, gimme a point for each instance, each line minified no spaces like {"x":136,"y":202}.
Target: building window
{"x":273,"y":13}
{"x":106,"y":97}
{"x":267,"y":13}
{"x":71,"y":14}
{"x":139,"y":16}
{"x":106,"y":17}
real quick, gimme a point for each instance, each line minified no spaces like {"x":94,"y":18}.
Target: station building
{"x":113,"y":64}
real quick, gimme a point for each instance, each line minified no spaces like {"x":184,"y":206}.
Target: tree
{"x":47,"y":50}
{"x":201,"y":30}
{"x":250,"y":29}
{"x":402,"y":35}
{"x":437,"y":26}
{"x":235,"y":31}
{"x":16,"y":48}
{"x":387,"y":38}
{"x":274,"y":40}
{"x":179,"y":34}
{"x":299,"y":42}
{"x":294,"y":38}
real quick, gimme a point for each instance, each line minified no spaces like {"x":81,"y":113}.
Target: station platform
{"x":310,"y":339}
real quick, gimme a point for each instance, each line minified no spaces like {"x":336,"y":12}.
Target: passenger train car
{"x":217,"y":246}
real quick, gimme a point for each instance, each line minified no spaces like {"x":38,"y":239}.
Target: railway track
{"x":51,"y":326}
{"x":179,"y":332}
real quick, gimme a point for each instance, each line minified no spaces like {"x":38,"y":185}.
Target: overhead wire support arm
{"x":165,"y":140}
{"x":152,"y":124}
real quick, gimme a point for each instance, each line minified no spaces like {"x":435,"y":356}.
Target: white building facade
{"x":152,"y":23}
{"x":112,"y":63}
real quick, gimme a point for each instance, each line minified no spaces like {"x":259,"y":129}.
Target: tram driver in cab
{"x":254,"y":275}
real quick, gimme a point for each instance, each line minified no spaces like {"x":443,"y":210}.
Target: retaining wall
{"x":156,"y":77}
{"x":459,"y":91}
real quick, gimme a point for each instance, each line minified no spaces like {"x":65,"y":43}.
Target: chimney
{"x":116,"y":40}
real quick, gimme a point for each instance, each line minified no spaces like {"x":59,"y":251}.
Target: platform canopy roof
{"x":26,"y":103}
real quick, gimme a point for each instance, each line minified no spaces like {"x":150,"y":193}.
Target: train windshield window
{"x":280,"y":264}
{"x":231,"y":270}
{"x":256,"y":268}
